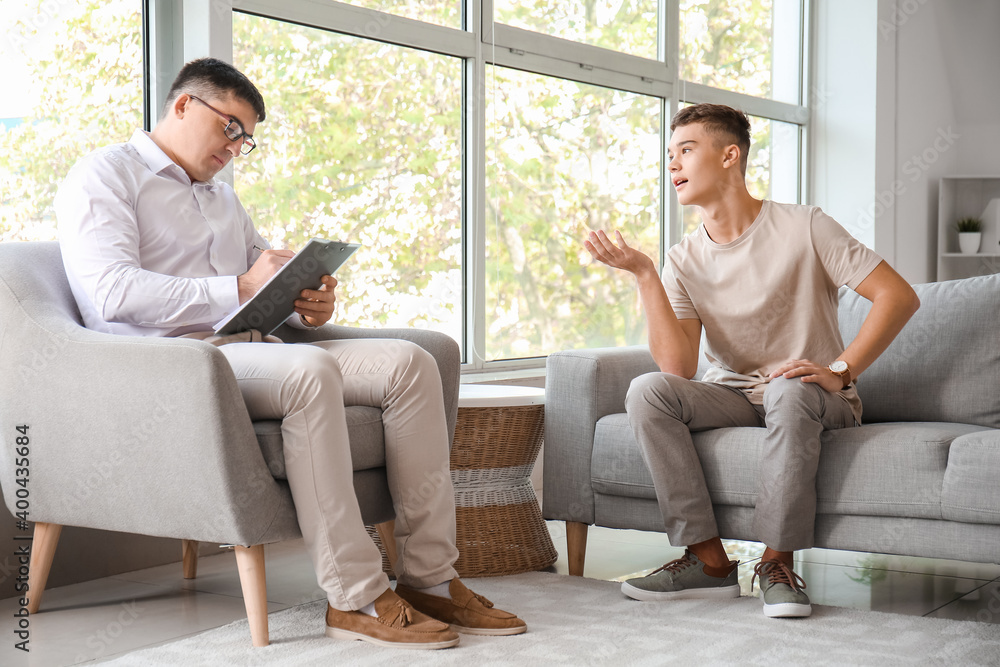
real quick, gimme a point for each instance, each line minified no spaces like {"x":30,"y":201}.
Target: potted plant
{"x":969,"y":235}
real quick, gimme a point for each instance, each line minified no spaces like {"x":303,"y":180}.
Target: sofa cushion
{"x":364,"y":428}
{"x":970,"y":483}
{"x":617,"y":467}
{"x":877,"y":469}
{"x":893,"y":469}
{"x":944,"y":364}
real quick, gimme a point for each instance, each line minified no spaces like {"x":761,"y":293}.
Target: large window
{"x":563,"y":158}
{"x":440,"y":12}
{"x":362,"y":142}
{"x":629,"y":26}
{"x":469,"y":145}
{"x":72,"y":78}
{"x":744,"y":46}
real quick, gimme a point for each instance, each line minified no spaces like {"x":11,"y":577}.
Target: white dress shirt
{"x":147,"y":251}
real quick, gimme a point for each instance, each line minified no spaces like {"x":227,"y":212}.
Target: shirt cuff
{"x":223,"y":295}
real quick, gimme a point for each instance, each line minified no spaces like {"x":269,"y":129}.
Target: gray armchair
{"x":151,"y":436}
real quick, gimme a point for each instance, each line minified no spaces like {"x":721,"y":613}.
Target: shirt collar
{"x":158,"y":161}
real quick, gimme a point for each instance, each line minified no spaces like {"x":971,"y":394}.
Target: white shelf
{"x":967,"y":197}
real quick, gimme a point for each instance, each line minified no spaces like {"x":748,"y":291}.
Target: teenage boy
{"x":154,"y":246}
{"x":762,"y":279}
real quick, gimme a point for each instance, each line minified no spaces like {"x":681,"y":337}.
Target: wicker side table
{"x":498,"y":435}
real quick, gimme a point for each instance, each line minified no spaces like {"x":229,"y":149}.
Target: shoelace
{"x":397,"y":616}
{"x":777,"y":573}
{"x":675,"y":566}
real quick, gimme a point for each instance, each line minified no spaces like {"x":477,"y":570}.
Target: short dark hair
{"x":210,"y":77}
{"x":726,"y":123}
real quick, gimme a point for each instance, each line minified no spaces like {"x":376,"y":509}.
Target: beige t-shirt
{"x":769,"y":296}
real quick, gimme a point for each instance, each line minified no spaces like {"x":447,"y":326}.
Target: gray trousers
{"x":665,"y":409}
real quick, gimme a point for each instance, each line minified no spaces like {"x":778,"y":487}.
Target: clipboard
{"x":275,"y":300}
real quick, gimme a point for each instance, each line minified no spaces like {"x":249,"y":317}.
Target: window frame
{"x":180,"y":30}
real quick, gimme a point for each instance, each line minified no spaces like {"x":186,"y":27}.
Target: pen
{"x":256,"y":247}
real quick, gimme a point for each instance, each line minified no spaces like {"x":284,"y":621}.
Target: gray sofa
{"x":920,"y":477}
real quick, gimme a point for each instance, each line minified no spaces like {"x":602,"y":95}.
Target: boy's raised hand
{"x":617,"y":255}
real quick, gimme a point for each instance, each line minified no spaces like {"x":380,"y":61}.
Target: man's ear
{"x":180,"y":105}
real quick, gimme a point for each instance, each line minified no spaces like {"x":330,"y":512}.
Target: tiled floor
{"x":110,"y":617}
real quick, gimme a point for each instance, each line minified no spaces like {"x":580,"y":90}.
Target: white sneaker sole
{"x":720,"y":593}
{"x":787,"y":610}
{"x":338,"y":633}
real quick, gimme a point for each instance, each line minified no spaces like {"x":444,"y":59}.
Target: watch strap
{"x":844,"y":375}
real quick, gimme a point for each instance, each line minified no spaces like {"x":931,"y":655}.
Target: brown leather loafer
{"x":466,"y":611}
{"x":398,"y":625}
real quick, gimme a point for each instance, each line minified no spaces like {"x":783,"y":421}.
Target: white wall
{"x":947,"y":115}
{"x":903,"y":93}
{"x":842,"y":96}
{"x":970,"y":34}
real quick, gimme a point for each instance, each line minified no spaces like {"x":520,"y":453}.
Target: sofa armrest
{"x":581,"y":387}
{"x":140,"y":435}
{"x":442,"y":347}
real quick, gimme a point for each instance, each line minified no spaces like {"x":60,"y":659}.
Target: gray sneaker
{"x":782,"y":590}
{"x":685,"y":578}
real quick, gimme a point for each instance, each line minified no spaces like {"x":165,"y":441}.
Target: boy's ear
{"x":731,"y":156}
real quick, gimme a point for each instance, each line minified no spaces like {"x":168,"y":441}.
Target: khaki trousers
{"x":306,"y":386}
{"x":665,"y":409}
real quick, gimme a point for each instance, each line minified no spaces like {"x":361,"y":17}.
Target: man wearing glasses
{"x":154,"y":246}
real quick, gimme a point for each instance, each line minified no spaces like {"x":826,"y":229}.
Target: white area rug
{"x":574,"y":621}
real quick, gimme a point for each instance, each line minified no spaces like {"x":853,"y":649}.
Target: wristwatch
{"x":843,"y":371}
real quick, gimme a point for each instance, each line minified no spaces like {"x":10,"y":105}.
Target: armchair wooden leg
{"x":189,"y":551}
{"x":386,"y":533}
{"x":576,"y":546}
{"x":250,"y":561}
{"x":43,"y":549}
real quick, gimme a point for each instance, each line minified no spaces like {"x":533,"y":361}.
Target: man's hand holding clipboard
{"x":282,"y":282}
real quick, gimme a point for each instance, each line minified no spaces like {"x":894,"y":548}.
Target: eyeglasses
{"x":233,"y":130}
